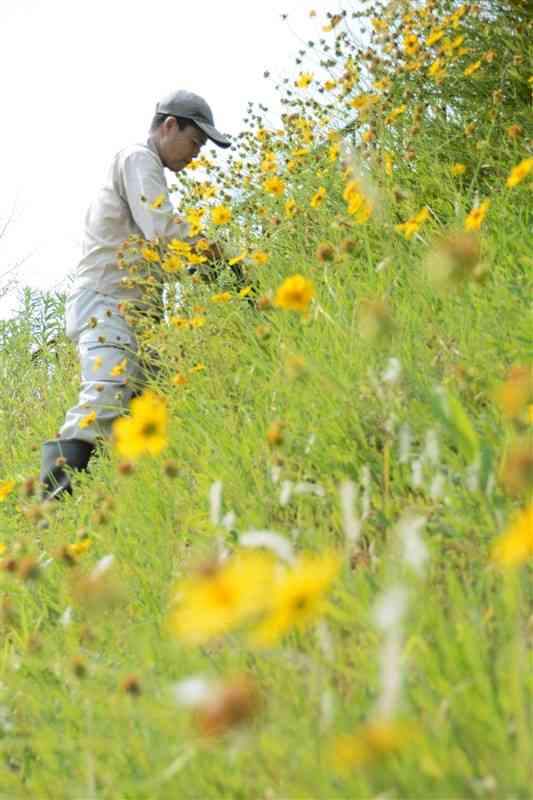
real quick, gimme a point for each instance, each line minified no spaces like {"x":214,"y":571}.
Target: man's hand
{"x":213,"y":252}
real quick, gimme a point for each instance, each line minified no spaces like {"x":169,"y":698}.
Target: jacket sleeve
{"x":142,"y":182}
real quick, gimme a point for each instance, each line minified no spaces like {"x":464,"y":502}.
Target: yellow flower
{"x":333,"y":152}
{"x":80,"y":547}
{"x":384,"y":84}
{"x":119,"y":368}
{"x":472,"y":68}
{"x":379,"y":25}
{"x":290,"y":208}
{"x":371,"y":742}
{"x":179,"y":379}
{"x":197,"y":322}
{"x":220,"y":215}
{"x":437,"y":70}
{"x":2,"y":548}
{"x":97,"y":363}
{"x":389,"y":160}
{"x":150,"y":255}
{"x":158,"y":202}
{"x":237,"y":259}
{"x":195,"y":258}
{"x":434,"y":37}
{"x":515,"y":545}
{"x":409,"y":228}
{"x":6,"y":488}
{"x":87,"y":420}
{"x":297,"y":597}
{"x":413,"y":66}
{"x":207,"y":190}
{"x":145,"y":431}
{"x":295,"y":294}
{"x":519,"y":172}
{"x":458,"y":169}
{"x":220,"y":597}
{"x":476,"y":216}
{"x":245,"y":291}
{"x":179,"y":322}
{"x":194,"y":217}
{"x":304,"y":79}
{"x":516,"y":393}
{"x":358,"y":205}
{"x":269,"y":162}
{"x":197,"y":367}
{"x":172,"y":263}
{"x":259,"y":256}
{"x":364,"y":213}
{"x":221,"y":297}
{"x":410,"y":44}
{"x":394,"y":114}
{"x":274,"y":186}
{"x":179,"y":248}
{"x":318,"y":197}
{"x":363,"y":101}
{"x":329,"y":85}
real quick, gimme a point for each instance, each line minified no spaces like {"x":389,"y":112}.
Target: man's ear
{"x":169,"y":124}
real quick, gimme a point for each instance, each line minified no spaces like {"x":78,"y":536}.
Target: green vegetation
{"x":376,"y":412}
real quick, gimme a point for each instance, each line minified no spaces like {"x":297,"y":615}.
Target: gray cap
{"x":191,"y":106}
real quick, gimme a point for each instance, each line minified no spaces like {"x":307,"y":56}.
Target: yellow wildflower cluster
{"x":359,"y":205}
{"x":413,"y":225}
{"x":295,"y":294}
{"x":252,"y":587}
{"x":144,"y":431}
{"x":515,"y":545}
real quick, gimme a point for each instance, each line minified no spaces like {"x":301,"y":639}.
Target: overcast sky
{"x":81,"y":80}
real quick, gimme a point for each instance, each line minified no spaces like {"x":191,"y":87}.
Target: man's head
{"x":178,"y":140}
{"x":182,"y":123}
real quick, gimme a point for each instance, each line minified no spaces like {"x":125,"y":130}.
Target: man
{"x":133,"y":202}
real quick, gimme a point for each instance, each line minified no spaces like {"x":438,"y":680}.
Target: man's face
{"x":177,"y":148}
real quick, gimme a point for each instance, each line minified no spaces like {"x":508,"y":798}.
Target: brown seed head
{"x":264,"y":303}
{"x":28,"y":568}
{"x":348,"y":246}
{"x":262,"y":331}
{"x":64,"y":554}
{"x":236,"y":702}
{"x":34,"y":513}
{"x":170,"y":468}
{"x":516,"y":473}
{"x":29,"y":485}
{"x":325,"y":252}
{"x":132,"y":685}
{"x":126,"y":468}
{"x":275,"y":432}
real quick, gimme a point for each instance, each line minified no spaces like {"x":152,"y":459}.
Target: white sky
{"x":81,"y":80}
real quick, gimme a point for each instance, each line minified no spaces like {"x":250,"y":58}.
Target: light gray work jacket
{"x":121,"y":208}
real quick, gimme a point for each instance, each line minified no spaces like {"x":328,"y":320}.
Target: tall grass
{"x":371,"y":423}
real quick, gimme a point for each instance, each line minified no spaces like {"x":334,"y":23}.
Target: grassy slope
{"x":465,"y":658}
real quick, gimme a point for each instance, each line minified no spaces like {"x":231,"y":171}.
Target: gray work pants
{"x":109,"y":364}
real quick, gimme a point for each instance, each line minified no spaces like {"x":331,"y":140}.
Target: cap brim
{"x":213,"y":134}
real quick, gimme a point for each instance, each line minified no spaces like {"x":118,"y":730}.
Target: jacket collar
{"x":153,"y":147}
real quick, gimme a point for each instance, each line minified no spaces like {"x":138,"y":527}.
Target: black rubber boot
{"x":73,"y":453}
